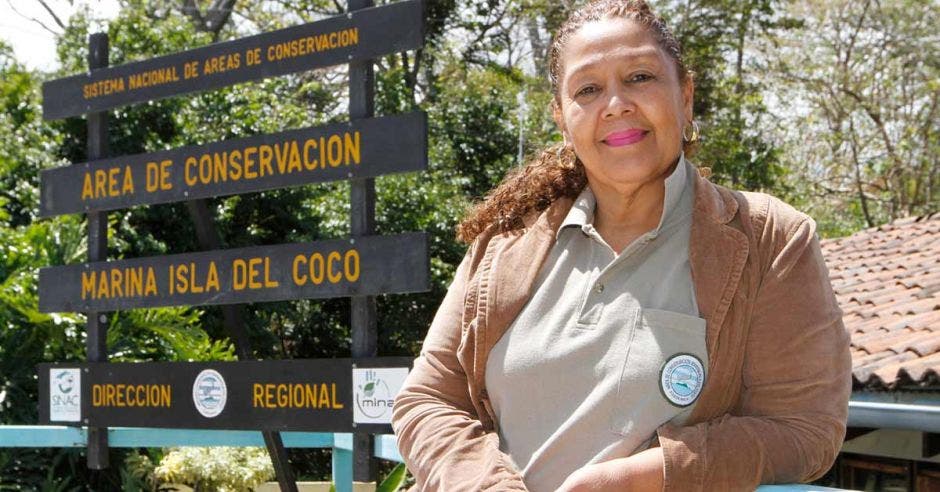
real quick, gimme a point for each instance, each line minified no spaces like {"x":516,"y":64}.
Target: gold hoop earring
{"x":695,"y":133}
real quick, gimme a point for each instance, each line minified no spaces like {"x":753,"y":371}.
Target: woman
{"x":619,"y":322}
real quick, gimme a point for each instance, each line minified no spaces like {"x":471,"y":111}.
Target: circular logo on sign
{"x":681,"y":379}
{"x":209,"y":393}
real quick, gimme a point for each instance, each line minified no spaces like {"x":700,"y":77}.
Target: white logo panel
{"x":374,"y":391}
{"x":65,"y":395}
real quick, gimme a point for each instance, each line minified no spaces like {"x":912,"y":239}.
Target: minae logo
{"x":374,"y":398}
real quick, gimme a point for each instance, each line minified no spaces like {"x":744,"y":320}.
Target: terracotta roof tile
{"x":924,"y":344}
{"x":887,"y":281}
{"x":868,"y":370}
{"x":912,"y":370}
{"x":922,"y":306}
{"x":865,"y":360}
{"x":881,"y":343}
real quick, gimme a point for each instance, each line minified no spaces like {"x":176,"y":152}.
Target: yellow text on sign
{"x":294,"y":395}
{"x":252,"y":274}
{"x":110,"y":183}
{"x":188,"y":278}
{"x":286,"y":157}
{"x":118,"y":181}
{"x":334,"y":268}
{"x":158,"y":176}
{"x":131,"y":395}
{"x":119,"y":282}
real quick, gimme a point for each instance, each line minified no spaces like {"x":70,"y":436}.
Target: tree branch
{"x":33,"y":19}
{"x":218,"y":15}
{"x":192,"y":11}
{"x":54,"y":17}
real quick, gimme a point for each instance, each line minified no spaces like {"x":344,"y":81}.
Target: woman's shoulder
{"x":773,"y":213}
{"x":770,"y":222}
{"x":774,"y":229}
{"x":755,"y":212}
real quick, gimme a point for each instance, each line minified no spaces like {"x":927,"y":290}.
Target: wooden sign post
{"x":320,"y":395}
{"x":343,"y":394}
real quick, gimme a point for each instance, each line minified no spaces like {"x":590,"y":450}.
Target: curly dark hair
{"x":556,"y":171}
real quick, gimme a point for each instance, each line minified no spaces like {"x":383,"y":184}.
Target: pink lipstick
{"x":626,"y":137}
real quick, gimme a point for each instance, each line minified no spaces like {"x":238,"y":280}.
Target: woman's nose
{"x":618,"y":103}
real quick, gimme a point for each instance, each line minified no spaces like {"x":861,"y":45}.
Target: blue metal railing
{"x":54,"y":436}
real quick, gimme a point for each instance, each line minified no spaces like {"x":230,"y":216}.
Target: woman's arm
{"x":439,"y":432}
{"x":642,"y":472}
{"x":789,"y":423}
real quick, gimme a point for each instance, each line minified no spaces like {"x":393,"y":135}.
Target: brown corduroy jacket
{"x":773,"y":407}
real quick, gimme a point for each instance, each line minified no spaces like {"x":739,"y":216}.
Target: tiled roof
{"x":887,"y":281}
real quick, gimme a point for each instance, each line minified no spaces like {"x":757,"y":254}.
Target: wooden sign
{"x":321,"y":395}
{"x":358,"y":149}
{"x":360,"y":266}
{"x":358,"y":35}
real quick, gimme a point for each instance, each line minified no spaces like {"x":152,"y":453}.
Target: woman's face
{"x":622,"y":106}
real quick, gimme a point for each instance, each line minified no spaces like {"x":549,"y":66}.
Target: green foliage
{"x":394,"y":480}
{"x":137,"y":474}
{"x":718,"y":38}
{"x":473,"y":120}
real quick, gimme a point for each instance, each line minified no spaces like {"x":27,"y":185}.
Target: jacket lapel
{"x":717,"y":255}
{"x":511,"y":275}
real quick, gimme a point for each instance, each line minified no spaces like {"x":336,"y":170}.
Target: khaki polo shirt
{"x":608,"y":348}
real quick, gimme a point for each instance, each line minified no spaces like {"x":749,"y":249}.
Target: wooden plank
{"x":315,"y":270}
{"x":358,"y":149}
{"x":319,"y":395}
{"x":365,"y":34}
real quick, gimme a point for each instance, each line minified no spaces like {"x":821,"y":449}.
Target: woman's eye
{"x":586,"y":91}
{"x":639,"y":77}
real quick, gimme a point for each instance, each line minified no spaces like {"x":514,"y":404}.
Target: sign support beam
{"x":96,"y":341}
{"x":362,"y":222}
{"x":234,"y":322}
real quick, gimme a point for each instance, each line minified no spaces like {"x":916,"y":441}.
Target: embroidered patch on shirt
{"x":681,"y":379}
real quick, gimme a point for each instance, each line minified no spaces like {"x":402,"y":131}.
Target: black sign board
{"x":359,"y":149}
{"x":358,"y":35}
{"x":322,"y":395}
{"x":360,"y":266}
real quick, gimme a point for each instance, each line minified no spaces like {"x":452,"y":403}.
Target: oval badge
{"x":209,"y":393}
{"x":681,"y":379}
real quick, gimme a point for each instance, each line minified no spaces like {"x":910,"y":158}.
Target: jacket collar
{"x":710,"y":201}
{"x":713,"y":201}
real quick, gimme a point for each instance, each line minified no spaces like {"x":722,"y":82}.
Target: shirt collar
{"x":582,"y":211}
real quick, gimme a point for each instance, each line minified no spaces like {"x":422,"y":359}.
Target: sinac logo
{"x":65,"y":381}
{"x":209,"y":393}
{"x":374,"y":398}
